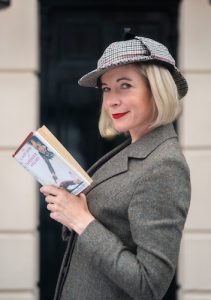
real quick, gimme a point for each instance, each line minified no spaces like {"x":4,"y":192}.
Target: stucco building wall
{"x":195,"y":138}
{"x":19,"y":251}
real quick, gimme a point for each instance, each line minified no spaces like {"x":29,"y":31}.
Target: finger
{"x":49,"y":189}
{"x":59,"y":218}
{"x":45,"y":194}
{"x":50,"y":199}
{"x":52,"y":207}
{"x":54,"y":216}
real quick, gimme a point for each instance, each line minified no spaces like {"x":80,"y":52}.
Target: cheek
{"x":104,"y":109}
{"x":151,"y":104}
{"x":150,"y":111}
{"x":104,"y":103}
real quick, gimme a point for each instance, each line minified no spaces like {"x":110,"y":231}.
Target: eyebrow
{"x":119,"y":79}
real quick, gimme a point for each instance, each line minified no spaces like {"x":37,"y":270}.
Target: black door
{"x":73,"y":36}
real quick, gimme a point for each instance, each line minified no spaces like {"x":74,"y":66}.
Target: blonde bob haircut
{"x":167,"y":105}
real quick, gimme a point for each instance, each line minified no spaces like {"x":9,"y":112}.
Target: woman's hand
{"x":68,"y":209}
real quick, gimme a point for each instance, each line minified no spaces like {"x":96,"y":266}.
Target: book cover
{"x":44,"y":157}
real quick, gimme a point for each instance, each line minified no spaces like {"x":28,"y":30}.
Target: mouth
{"x":119,"y":115}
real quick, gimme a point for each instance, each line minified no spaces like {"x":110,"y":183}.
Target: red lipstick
{"x":118,"y":116}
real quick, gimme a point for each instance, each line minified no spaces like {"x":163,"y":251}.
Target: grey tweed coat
{"x":140,"y":198}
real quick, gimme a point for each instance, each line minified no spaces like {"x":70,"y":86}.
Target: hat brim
{"x":91,"y":79}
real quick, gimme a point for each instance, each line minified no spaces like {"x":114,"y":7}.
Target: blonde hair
{"x":167,"y":105}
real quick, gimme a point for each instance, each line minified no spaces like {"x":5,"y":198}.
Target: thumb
{"x":82,"y":196}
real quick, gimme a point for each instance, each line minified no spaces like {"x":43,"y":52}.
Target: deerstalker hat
{"x":137,"y":49}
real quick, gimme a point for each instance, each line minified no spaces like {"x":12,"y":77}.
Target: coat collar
{"x":112,"y":164}
{"x":148,"y":143}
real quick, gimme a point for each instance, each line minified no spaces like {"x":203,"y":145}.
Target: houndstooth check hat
{"x":137,"y":49}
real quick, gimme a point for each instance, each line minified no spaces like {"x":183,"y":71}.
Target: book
{"x":49,"y":162}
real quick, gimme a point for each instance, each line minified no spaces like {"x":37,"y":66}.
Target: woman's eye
{"x":105,"y":89}
{"x":125,"y":85}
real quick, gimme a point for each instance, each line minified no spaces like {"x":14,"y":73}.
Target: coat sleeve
{"x":157,"y":213}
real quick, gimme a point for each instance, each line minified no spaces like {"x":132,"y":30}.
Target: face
{"x":128,"y":101}
{"x":38,"y":146}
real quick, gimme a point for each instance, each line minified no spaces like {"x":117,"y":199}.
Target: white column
{"x":19,"y":110}
{"x":195,"y":138}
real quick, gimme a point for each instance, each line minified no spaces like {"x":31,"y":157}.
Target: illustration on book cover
{"x":47,"y":166}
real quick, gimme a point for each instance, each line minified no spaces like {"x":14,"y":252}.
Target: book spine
{"x":23,"y":143}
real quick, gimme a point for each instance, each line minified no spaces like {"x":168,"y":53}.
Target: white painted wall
{"x":195,"y":138}
{"x":19,"y":255}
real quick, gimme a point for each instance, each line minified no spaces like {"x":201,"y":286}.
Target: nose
{"x":112,"y":99}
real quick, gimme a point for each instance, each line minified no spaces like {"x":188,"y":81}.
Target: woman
{"x":129,"y":223}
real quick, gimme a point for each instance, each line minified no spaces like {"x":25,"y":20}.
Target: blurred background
{"x":45,"y":47}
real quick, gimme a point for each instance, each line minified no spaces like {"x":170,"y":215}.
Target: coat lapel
{"x":107,"y":156}
{"x":111,"y":164}
{"x":148,"y":143}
